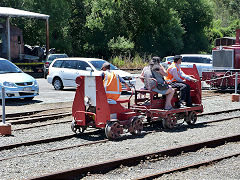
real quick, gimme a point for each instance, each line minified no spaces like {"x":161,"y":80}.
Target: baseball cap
{"x":105,"y":65}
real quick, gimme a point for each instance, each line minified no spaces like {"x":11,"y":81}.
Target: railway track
{"x":23,"y":119}
{"x":91,"y":132}
{"x":134,"y":160}
{"x":48,"y":123}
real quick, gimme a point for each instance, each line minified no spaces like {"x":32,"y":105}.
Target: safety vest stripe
{"x":113,"y":92}
{"x":117,"y":83}
{"x":106,"y":80}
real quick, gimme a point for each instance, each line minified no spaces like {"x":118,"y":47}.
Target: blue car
{"x":17,"y":84}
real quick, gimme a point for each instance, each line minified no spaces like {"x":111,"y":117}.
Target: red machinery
{"x":151,"y":104}
{"x":226,"y":62}
{"x":92,"y":109}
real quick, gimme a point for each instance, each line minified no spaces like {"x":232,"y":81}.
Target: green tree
{"x":196,"y":16}
{"x":151,"y":25}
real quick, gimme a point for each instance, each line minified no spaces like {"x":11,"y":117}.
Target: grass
{"x":135,"y":62}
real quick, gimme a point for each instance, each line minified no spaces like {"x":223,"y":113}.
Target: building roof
{"x":11,"y":12}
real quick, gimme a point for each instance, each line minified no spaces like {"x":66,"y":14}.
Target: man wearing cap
{"x":176,"y":79}
{"x":112,"y":83}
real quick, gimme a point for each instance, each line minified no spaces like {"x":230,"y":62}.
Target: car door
{"x":68,"y":73}
{"x":82,"y":69}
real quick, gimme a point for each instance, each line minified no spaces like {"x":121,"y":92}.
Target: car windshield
{"x":8,"y":67}
{"x":98,"y":65}
{"x":197,"y":60}
{"x":167,"y":59}
{"x":52,"y":57}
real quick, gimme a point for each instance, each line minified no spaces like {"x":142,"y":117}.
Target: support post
{"x":3,"y":105}
{"x":5,"y":128}
{"x":236,"y":82}
{"x":8,"y":38}
{"x":236,"y":96}
{"x":47,"y":37}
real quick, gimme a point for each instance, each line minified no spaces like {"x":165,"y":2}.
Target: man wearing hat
{"x":176,"y":78}
{"x":112,"y":83}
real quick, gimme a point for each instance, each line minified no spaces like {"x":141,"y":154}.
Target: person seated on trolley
{"x":112,"y":83}
{"x":154,"y":73}
{"x":176,"y":78}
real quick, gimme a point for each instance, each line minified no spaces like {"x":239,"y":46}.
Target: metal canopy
{"x":11,"y":12}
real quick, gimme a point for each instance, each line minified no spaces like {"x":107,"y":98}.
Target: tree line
{"x":108,"y":28}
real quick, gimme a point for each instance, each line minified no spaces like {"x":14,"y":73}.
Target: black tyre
{"x":57,"y":84}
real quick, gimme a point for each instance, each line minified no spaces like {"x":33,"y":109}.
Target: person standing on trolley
{"x":176,"y":78}
{"x":112,"y":83}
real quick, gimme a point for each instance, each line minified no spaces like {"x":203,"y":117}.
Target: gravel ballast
{"x":36,"y":165}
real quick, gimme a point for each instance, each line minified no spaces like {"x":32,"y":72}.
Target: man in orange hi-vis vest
{"x":176,"y":78}
{"x":112,"y":83}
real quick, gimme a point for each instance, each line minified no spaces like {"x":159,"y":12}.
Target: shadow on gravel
{"x":158,"y":127}
{"x":98,"y":135}
{"x":20,"y":102}
{"x":69,"y":89}
{"x":95,"y":135}
{"x":184,"y":127}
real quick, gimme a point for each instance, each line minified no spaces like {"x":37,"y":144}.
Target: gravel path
{"x":67,"y":159}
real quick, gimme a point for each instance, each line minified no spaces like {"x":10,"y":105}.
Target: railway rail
{"x":134,"y":160}
{"x":23,"y":119}
{"x":91,"y":132}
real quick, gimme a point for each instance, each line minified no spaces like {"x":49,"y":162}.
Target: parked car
{"x":202,"y":61}
{"x":166,"y":61}
{"x":64,"y":71}
{"x":49,"y":60}
{"x":17,"y":84}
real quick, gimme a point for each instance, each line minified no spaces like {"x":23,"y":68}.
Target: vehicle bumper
{"x":20,"y":92}
{"x":49,"y":79}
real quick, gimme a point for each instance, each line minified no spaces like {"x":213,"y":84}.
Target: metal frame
{"x":11,"y":12}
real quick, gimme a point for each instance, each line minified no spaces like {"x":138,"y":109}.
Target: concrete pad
{"x":235,"y":97}
{"x":5,"y":129}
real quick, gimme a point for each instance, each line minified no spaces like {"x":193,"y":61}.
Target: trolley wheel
{"x":113,"y":130}
{"x":169,"y":122}
{"x":136,"y":126}
{"x":191,"y":118}
{"x":76,"y":128}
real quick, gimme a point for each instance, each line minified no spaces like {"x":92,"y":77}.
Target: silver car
{"x":203,"y":62}
{"x":16,"y":83}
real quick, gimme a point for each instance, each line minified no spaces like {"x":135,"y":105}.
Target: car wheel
{"x":57,"y":84}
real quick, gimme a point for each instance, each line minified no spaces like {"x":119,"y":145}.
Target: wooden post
{"x":47,"y":37}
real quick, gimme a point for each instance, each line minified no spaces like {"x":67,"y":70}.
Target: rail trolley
{"x":151,"y":104}
{"x":92,"y":109}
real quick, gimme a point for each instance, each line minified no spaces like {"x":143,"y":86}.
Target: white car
{"x":166,"y":61}
{"x":64,"y":71}
{"x":202,"y":61}
{"x":16,"y":83}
